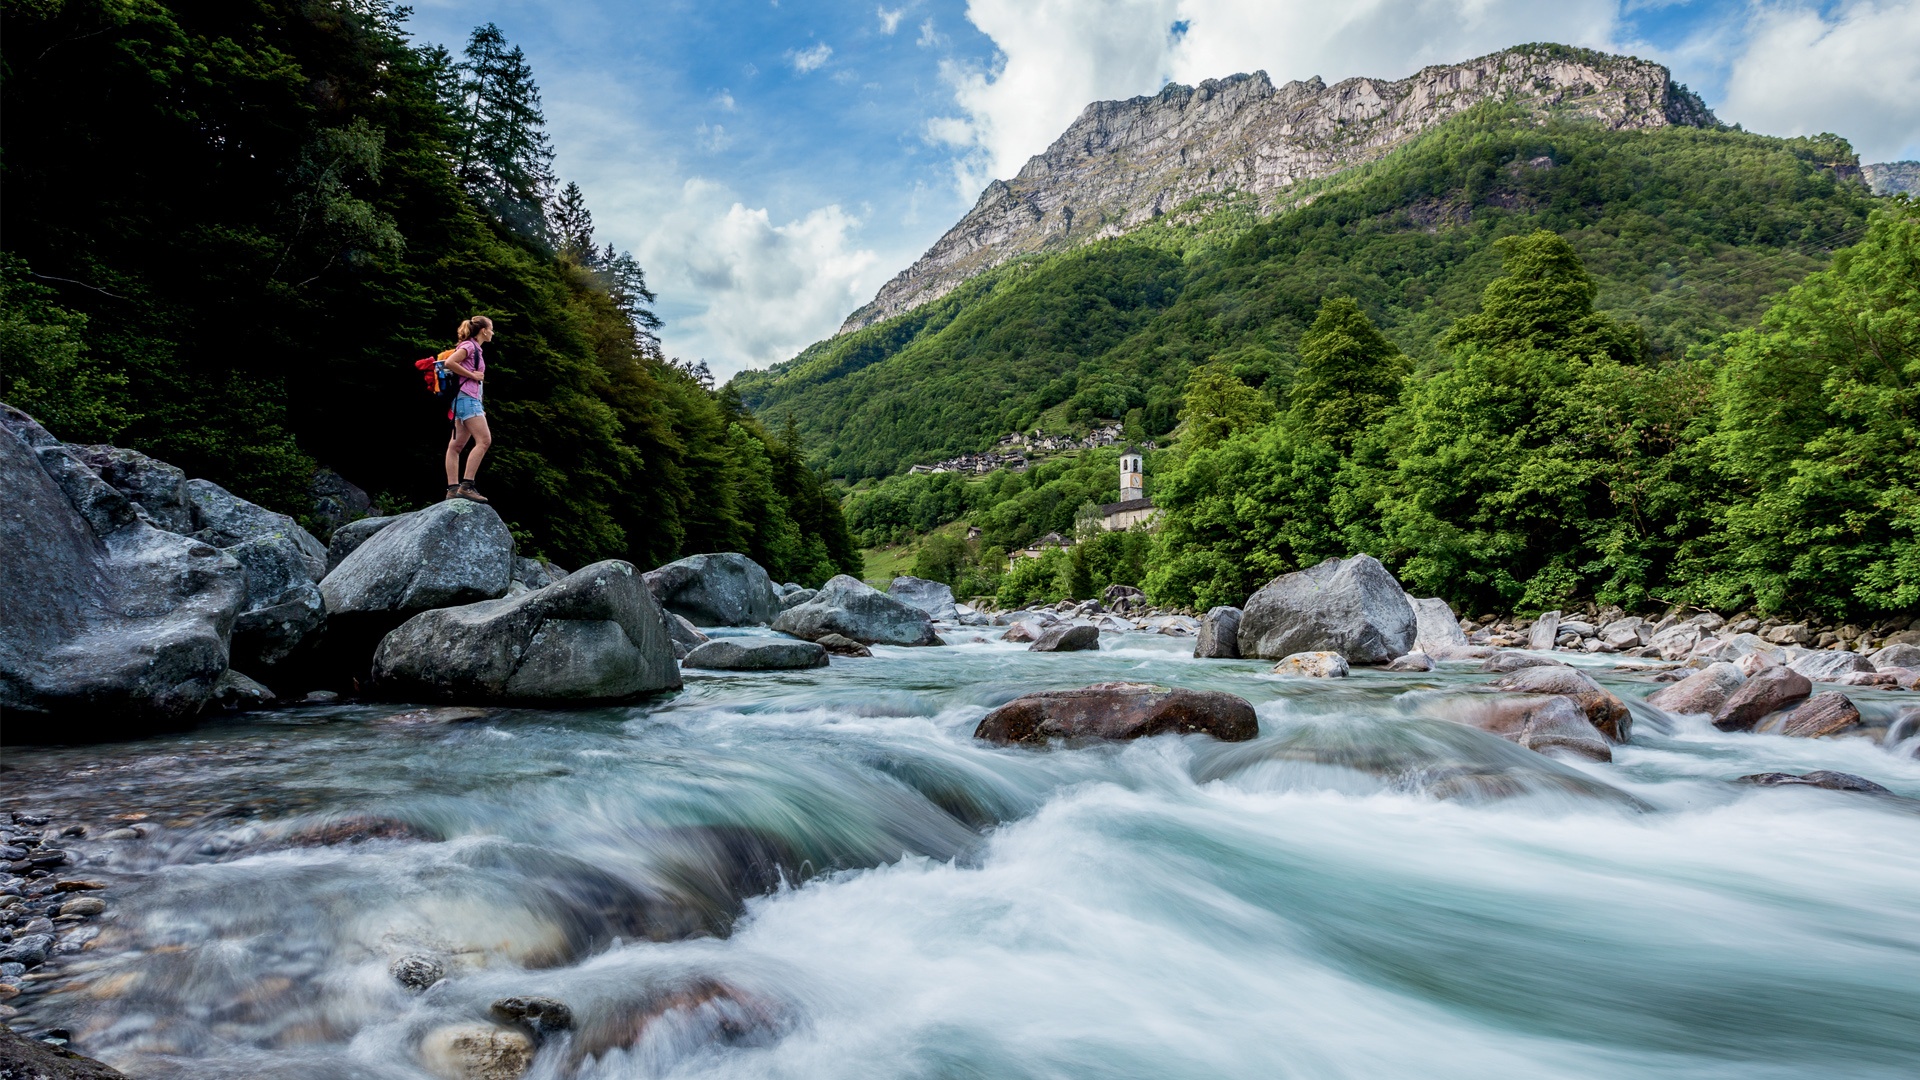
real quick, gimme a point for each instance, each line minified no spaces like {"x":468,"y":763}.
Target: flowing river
{"x":821,"y":874}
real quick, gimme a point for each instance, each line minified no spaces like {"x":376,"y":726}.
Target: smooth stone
{"x":722,"y":588}
{"x":1313,"y":665}
{"x":1219,"y":636}
{"x":1118,"y":710}
{"x":454,"y":552}
{"x":1607,"y":713}
{"x":1895,"y":656}
{"x":543,"y":1016}
{"x":932,"y":597}
{"x":1508,"y":660}
{"x":1413,"y":661}
{"x":1767,"y":690}
{"x":1067,"y":638}
{"x":476,"y":1052}
{"x":733,"y":654}
{"x":1544,"y":632}
{"x":1435,"y":625}
{"x":797,"y":597}
{"x":350,"y":536}
{"x":1820,"y":778}
{"x":1829,"y":664}
{"x":1022,"y":632}
{"x":842,"y":646}
{"x":1544,"y":723}
{"x":853,"y":609}
{"x":86,"y":905}
{"x":1350,"y":606}
{"x":1704,"y":691}
{"x":1829,"y":712}
{"x":595,"y":636}
{"x":686,"y":637}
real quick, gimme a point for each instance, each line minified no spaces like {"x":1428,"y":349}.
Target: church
{"x":1134,"y":507}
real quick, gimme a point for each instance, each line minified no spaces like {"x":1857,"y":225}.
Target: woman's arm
{"x":454,"y":365}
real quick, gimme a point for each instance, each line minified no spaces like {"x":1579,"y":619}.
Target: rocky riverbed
{"x":824,"y":871}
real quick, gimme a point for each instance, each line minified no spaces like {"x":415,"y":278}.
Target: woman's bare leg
{"x":455,"y":444}
{"x":482,"y":439}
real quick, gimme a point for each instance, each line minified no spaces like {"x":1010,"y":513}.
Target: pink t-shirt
{"x":477,"y":362}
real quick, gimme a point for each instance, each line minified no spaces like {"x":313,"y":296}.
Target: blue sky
{"x":772,"y":162}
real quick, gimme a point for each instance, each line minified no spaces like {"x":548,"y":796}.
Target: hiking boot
{"x":452,"y":490}
{"x":466,"y":490}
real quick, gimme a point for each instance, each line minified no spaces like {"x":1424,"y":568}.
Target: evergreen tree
{"x":1349,"y":374}
{"x":507,"y":158}
{"x":572,"y":227}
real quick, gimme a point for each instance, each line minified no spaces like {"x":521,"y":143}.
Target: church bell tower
{"x":1133,"y":482}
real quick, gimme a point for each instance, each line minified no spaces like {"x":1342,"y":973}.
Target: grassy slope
{"x":1689,"y":232}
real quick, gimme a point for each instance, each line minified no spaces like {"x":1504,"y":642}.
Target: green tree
{"x":1348,"y":374}
{"x":1217,"y":404}
{"x":506,"y":158}
{"x":1818,"y":429}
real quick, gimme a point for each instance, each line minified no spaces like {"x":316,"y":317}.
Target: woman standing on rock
{"x":469,"y":416}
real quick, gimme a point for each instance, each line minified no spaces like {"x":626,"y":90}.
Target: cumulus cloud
{"x":889,"y":20}
{"x":812,"y":59}
{"x":1056,"y":56}
{"x":1852,"y":69}
{"x":768,"y":289}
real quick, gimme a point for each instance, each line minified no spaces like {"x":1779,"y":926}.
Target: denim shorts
{"x":466,"y":407}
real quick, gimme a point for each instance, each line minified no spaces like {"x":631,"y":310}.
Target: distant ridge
{"x":1893,"y":177}
{"x":1124,"y":163}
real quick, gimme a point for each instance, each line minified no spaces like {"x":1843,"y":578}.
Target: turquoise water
{"x":820,"y":874}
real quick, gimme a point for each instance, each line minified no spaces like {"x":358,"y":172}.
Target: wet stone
{"x":86,"y":905}
{"x":542,"y":1016}
{"x":416,"y":971}
{"x":476,"y":1052}
{"x":1820,"y":778}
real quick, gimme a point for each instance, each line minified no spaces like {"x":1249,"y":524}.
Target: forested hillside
{"x":230,"y":227}
{"x":1688,"y":233}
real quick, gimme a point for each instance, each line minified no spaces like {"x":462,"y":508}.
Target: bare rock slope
{"x":1123,"y":164}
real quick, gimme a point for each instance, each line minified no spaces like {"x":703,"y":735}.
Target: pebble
{"x":86,"y":905}
{"x":77,"y":885}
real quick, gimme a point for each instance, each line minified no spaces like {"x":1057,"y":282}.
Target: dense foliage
{"x":1687,"y":232}
{"x":230,"y":227}
{"x":1550,"y":455}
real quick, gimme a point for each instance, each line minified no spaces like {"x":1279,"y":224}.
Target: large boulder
{"x":1827,"y":713}
{"x":853,"y":609}
{"x":1546,"y":724}
{"x":224,"y":520}
{"x":796,"y":597}
{"x":347,"y":538}
{"x":1895,"y":656}
{"x":155,"y":488}
{"x":737,"y":654}
{"x":1219,"y":637}
{"x":1313,"y":665}
{"x":1544,"y":632}
{"x":285,"y":564}
{"x":929,"y":596}
{"x":686,"y":637}
{"x":1704,"y":691}
{"x":452,"y":553}
{"x":1118,"y":710}
{"x":1067,"y":637}
{"x":595,"y":636}
{"x":1829,"y":664}
{"x":721,"y":589}
{"x":1350,"y":606}
{"x":1606,"y":712}
{"x":106,"y":619}
{"x":336,"y":500}
{"x":1766,"y":690}
{"x":1435,"y":625}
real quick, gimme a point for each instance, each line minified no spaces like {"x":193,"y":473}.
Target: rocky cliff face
{"x":1892,"y":177}
{"x":1124,"y":163}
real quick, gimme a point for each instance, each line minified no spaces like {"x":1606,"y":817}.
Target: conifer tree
{"x":506,"y":159}
{"x":572,"y":227}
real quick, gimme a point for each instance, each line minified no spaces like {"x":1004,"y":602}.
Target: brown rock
{"x":30,"y":1058}
{"x":85,"y":905}
{"x":77,"y":885}
{"x":476,"y":1052}
{"x":1704,"y":691}
{"x":1118,"y":710}
{"x":697,"y":1010}
{"x":1868,"y":678}
{"x":1604,"y":711}
{"x":1827,"y":713}
{"x":842,"y":646}
{"x":1543,"y":723}
{"x":1020,"y":631}
{"x":354,"y":829}
{"x":1770,"y":689}
{"x":1067,"y":638}
{"x":1313,"y":665}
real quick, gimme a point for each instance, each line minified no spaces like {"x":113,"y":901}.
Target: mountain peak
{"x":1122,"y":164}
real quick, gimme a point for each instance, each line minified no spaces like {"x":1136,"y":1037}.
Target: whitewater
{"x":822,"y":874}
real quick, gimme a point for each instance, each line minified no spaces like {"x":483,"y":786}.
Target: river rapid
{"x":821,"y":874}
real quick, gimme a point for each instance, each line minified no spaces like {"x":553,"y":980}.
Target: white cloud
{"x":724,"y":100}
{"x":889,"y":20}
{"x":805,"y":60}
{"x":768,"y":290}
{"x":1854,"y":70}
{"x":713,"y":137}
{"x":929,"y":37}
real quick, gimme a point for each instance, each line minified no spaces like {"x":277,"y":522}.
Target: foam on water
{"x":1367,"y":890}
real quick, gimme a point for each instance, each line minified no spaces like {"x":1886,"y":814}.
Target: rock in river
{"x":1827,"y":713}
{"x":476,"y":1052}
{"x":1509,"y":660}
{"x":1829,"y":664}
{"x":1118,"y":710}
{"x":1605,"y":711}
{"x":596,"y":635}
{"x":719,"y":589}
{"x":853,"y":609}
{"x":1436,"y":626}
{"x":1704,"y":691}
{"x":931,"y":597}
{"x":1770,"y":689}
{"x":842,"y":646}
{"x":1350,"y":606}
{"x":1066,"y":637}
{"x":735,"y":654}
{"x":1313,"y":665}
{"x":1219,"y":637}
{"x":1820,"y":778}
{"x":453,"y":552}
{"x":107,"y":620}
{"x":1545,"y":724}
